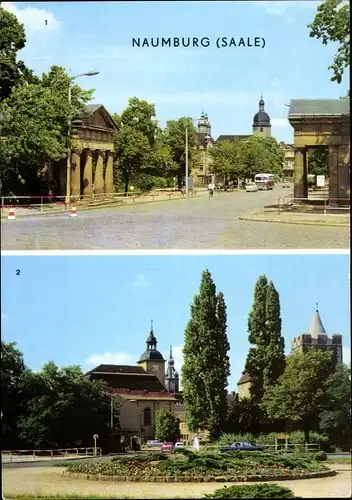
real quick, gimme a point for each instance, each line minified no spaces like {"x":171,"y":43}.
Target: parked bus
{"x":264,"y":181}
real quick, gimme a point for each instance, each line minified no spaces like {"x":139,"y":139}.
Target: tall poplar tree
{"x":206,"y":365}
{"x":266,"y":359}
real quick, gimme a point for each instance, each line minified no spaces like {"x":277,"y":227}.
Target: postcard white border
{"x":90,"y":253}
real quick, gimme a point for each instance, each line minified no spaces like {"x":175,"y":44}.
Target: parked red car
{"x":167,"y":446}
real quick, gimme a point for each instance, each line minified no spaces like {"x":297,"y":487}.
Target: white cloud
{"x":34,"y":20}
{"x":140,"y":281}
{"x":111,"y":358}
{"x":278,"y":8}
{"x":280,"y":122}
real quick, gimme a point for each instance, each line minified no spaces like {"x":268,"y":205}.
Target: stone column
{"x":343,"y":174}
{"x":333,"y":175}
{"x":300,"y":189}
{"x":99,"y":174}
{"x":76,"y":175}
{"x":109,"y":173}
{"x":88,"y":174}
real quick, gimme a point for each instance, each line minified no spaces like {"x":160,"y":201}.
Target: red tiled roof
{"x":116,"y":369}
{"x":138,"y":394}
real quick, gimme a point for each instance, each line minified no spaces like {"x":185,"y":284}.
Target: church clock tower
{"x":152,"y":360}
{"x":172,"y":378}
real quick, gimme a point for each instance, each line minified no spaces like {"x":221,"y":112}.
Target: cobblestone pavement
{"x":195,"y":223}
{"x":49,"y":480}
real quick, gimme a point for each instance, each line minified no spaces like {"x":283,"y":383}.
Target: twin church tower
{"x":152,"y":361}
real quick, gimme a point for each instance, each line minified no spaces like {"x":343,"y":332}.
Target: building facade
{"x":289,"y":162}
{"x":317,"y":338}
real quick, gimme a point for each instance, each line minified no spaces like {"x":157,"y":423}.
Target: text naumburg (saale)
{"x":220,"y":42}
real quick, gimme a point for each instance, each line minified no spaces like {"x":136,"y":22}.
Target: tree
{"x":274,"y":156}
{"x":225,"y":159}
{"x":335,"y":417}
{"x":299,"y":393}
{"x":12,"y":40}
{"x":266,"y":359}
{"x":206,"y":366}
{"x":318,"y":161}
{"x":12,"y":368}
{"x":166,"y":426}
{"x":34,"y":127}
{"x":332,"y":24}
{"x":175,"y":138}
{"x":240,"y":416}
{"x":62,"y":409}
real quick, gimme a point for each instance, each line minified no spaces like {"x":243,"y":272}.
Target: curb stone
{"x":194,"y":479}
{"x":301,"y":223}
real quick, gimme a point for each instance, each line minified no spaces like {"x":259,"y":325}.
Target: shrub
{"x":321,"y":456}
{"x":252,"y":491}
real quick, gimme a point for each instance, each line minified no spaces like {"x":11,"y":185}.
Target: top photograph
{"x":175,"y":125}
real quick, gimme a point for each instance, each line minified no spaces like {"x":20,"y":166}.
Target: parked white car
{"x":179,"y":444}
{"x":251,"y":188}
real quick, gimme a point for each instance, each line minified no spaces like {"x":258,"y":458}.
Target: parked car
{"x":242,"y":445}
{"x":153,"y":443}
{"x":251,"y":187}
{"x":286,"y":185}
{"x":179,"y":444}
{"x":167,"y":446}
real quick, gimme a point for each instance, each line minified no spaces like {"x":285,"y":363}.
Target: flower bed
{"x":201,"y":467}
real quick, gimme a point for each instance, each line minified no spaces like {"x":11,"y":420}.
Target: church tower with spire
{"x":172,"y":377}
{"x":152,"y":360}
{"x":261,"y":121}
{"x":317,"y":338}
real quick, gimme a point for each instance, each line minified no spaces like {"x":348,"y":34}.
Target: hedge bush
{"x":201,"y":465}
{"x":321,"y":456}
{"x":252,"y":491}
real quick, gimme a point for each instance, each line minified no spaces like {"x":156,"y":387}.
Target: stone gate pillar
{"x":300,"y":189}
{"x":88,"y":174}
{"x":109,"y":173}
{"x":75,"y":175}
{"x":99,"y":174}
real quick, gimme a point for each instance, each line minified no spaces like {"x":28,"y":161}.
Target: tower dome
{"x":261,"y":121}
{"x":151,"y":353}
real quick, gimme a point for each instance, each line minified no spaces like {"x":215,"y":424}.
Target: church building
{"x":138,"y":392}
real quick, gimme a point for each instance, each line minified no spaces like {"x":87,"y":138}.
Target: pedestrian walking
{"x":211,"y":189}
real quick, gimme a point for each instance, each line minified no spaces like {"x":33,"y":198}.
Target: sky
{"x":90,"y":310}
{"x":226,"y":82}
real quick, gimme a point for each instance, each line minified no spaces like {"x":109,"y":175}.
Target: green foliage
{"x":318,"y":161}
{"x":263,"y":490}
{"x":245,"y":158}
{"x":200,"y":465}
{"x":296,"y":437}
{"x":34,"y":125}
{"x":166,"y":426}
{"x":206,"y":366}
{"x":240,"y":416}
{"x":321,"y":456}
{"x":335,"y":417}
{"x":266,"y":360}
{"x":175,"y":138}
{"x":12,"y":40}
{"x":12,"y":368}
{"x":300,"y":392}
{"x":61,"y":408}
{"x":332,"y":24}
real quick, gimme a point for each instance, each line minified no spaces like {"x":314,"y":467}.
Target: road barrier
{"x":44,"y":203}
{"x":16,"y":455}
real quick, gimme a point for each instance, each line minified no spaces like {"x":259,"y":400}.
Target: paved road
{"x":49,"y":481}
{"x":195,"y":223}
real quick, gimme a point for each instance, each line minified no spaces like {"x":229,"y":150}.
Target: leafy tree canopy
{"x":332,"y":24}
{"x":166,"y":426}
{"x":206,"y":366}
{"x":300,"y":392}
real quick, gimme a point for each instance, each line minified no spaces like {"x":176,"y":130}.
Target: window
{"x":261,"y":129}
{"x":318,"y":129}
{"x":147,"y":416}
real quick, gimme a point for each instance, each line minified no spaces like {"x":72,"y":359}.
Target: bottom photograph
{"x":225,"y":376}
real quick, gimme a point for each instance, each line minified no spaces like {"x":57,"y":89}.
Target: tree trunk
{"x":127,"y":180}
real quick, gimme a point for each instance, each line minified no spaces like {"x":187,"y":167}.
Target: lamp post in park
{"x":68,"y":165}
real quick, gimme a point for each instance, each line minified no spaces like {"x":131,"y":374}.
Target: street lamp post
{"x":206,"y":138}
{"x":186,"y":151}
{"x":68,"y":165}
